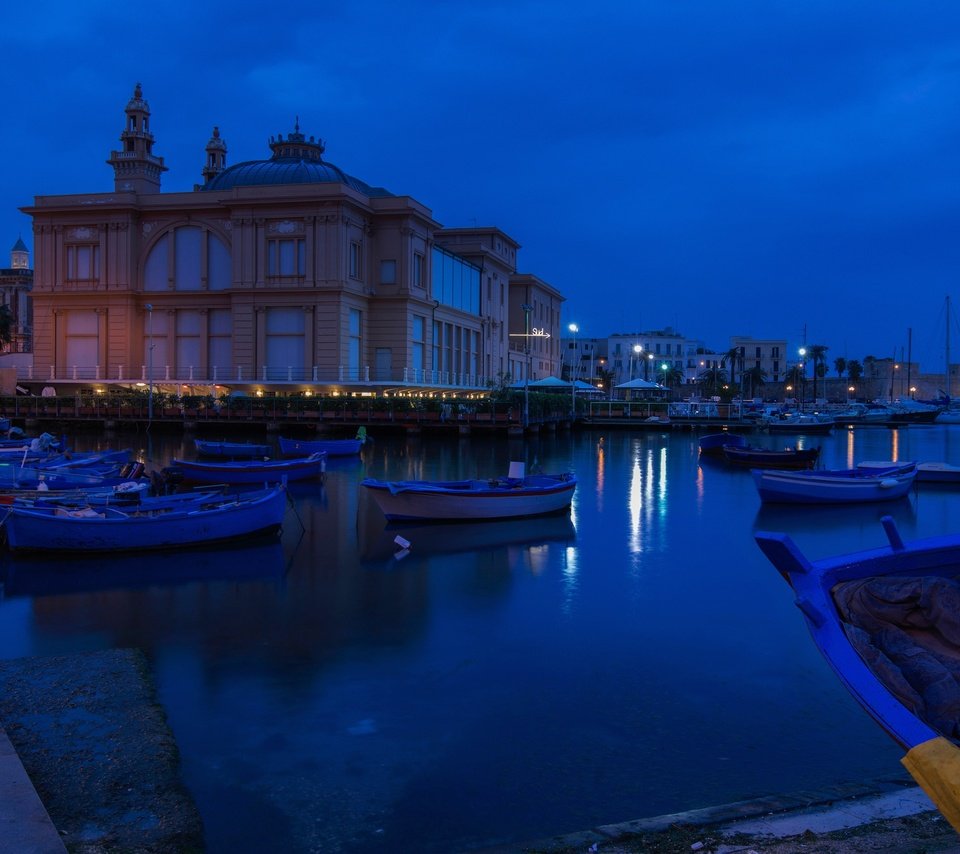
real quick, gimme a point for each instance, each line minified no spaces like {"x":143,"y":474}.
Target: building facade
{"x":284,"y":274}
{"x":16,"y":284}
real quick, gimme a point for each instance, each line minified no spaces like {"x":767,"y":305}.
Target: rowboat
{"x":875,"y":617}
{"x":926,"y":472}
{"x":220,"y":518}
{"x":249,"y":471}
{"x":796,"y":423}
{"x":759,"y":458}
{"x":499,"y":498}
{"x":837,"y":486}
{"x":330,"y":447}
{"x":231,"y":450}
{"x":713,"y":443}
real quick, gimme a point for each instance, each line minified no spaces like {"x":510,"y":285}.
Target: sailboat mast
{"x":946,"y":379}
{"x":909,"y":356}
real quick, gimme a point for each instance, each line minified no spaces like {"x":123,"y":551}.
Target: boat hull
{"x":231,"y":450}
{"x":251,"y":471}
{"x":112,"y":530}
{"x":713,"y":443}
{"x":805,"y":458}
{"x":330,"y":447}
{"x":472,"y":500}
{"x":841,"y":487}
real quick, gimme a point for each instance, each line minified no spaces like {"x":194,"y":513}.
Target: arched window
{"x":177,"y":261}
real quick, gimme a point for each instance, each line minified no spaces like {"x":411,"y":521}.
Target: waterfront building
{"x":280,"y":274}
{"x":643,"y":355}
{"x":767,"y":354}
{"x":16,"y":283}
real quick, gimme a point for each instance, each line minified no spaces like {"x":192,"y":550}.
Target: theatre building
{"x":282,"y":274}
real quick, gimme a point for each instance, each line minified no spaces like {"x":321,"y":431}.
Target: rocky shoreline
{"x":96,"y":745}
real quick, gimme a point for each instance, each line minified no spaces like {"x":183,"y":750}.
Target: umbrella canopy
{"x":641,"y":384}
{"x":550,"y":382}
{"x":586,"y":388}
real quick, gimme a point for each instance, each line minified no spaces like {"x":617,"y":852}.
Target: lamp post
{"x":637,"y":350}
{"x":574,"y":363}
{"x":527,"y":308}
{"x":850,"y":390}
{"x":803,"y":375}
{"x":646,"y":366}
{"x":149,"y":309}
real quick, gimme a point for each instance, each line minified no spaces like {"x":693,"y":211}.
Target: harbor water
{"x":497,"y":682}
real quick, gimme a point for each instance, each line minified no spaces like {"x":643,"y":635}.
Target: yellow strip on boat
{"x":935,"y":765}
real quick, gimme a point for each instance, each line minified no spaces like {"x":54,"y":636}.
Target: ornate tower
{"x":19,"y":256}
{"x":136,"y":169}
{"x":216,"y":156}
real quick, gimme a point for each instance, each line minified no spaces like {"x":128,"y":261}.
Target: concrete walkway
{"x":25,"y":827}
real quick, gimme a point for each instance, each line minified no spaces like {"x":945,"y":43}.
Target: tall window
{"x":286,"y":257}
{"x":418,"y":343}
{"x":187,"y":266}
{"x":356,"y":266}
{"x":354,"y":349}
{"x":83,"y":262}
{"x":220,"y":342}
{"x":284,"y":342}
{"x":418,"y":269}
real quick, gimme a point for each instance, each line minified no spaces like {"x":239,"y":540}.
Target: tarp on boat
{"x":907,"y":630}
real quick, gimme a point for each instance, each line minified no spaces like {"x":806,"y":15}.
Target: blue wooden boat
{"x":231,"y":450}
{"x":886,"y":621}
{"x":330,"y":447}
{"x":834,"y":486}
{"x":713,"y":443}
{"x":770,"y":458}
{"x":250,"y":471}
{"x":500,"y":498}
{"x":220,"y":518}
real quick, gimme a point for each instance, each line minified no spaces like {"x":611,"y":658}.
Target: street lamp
{"x":149,"y":309}
{"x":574,"y":363}
{"x":664,"y":367}
{"x":850,"y":390}
{"x":637,"y":350}
{"x":526,"y":379}
{"x":646,"y":366}
{"x":803,"y":375}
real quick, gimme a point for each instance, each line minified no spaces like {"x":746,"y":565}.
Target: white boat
{"x":926,"y":472}
{"x":500,"y":498}
{"x":863,"y":413}
{"x":840,"y":486}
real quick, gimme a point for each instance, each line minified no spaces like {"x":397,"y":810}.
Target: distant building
{"x":767,"y":354}
{"x":16,"y":283}
{"x":643,"y":355}
{"x":285,"y":273}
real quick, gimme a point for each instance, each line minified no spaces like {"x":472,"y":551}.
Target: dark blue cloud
{"x":731,"y":168}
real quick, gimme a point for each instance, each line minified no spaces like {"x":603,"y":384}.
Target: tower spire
{"x":216,"y":160}
{"x":136,"y":168}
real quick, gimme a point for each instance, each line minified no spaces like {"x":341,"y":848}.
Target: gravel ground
{"x":95,"y":742}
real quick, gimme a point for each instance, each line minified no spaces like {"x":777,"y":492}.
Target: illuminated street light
{"x":574,"y":364}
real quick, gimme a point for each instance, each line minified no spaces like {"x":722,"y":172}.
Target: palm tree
{"x":854,"y":370}
{"x":606,"y":378}
{"x":733,"y":357}
{"x":712,"y":378}
{"x":840,"y":365}
{"x":755,"y":376}
{"x":818,"y":355}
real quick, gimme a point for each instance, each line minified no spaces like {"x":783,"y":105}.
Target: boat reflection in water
{"x":380,"y":542}
{"x":54,"y":576}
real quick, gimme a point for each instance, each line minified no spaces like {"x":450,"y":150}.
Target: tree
{"x":6,"y":326}
{"x":755,"y":376}
{"x":734,"y":358}
{"x":840,"y":365}
{"x":712,"y":378}
{"x":818,"y":355}
{"x":854,"y":370}
{"x":605,"y":377}
{"x":794,"y":375}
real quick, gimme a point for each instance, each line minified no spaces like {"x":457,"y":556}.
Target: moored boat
{"x":231,"y":450}
{"x":794,"y":422}
{"x":249,"y":471}
{"x":219,"y":518}
{"x":885,"y":620}
{"x":836,"y":486}
{"x":499,"y":498}
{"x":331,"y":447}
{"x":769,"y":458}
{"x":926,"y":472}
{"x":712,"y":444}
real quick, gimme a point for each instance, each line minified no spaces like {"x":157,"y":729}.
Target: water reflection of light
{"x":635,"y":506}
{"x":850,"y":449}
{"x":601,"y":459}
{"x":571,"y":583}
{"x":647,"y":496}
{"x":895,"y":445}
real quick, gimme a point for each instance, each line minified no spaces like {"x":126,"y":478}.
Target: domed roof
{"x":295,"y":160}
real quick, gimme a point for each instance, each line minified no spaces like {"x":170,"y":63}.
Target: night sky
{"x":757,"y":168}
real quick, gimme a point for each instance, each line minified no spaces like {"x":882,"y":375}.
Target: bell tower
{"x":216,"y":156}
{"x":20,"y":256}
{"x":136,"y":169}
